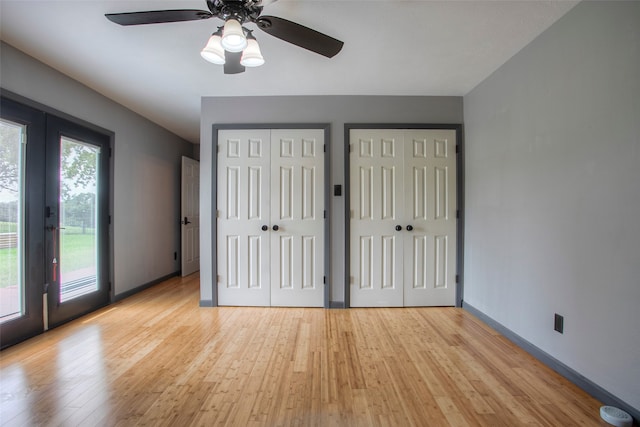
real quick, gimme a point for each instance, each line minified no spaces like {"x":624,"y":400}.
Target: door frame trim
{"x":326,"y":128}
{"x":459,"y":198}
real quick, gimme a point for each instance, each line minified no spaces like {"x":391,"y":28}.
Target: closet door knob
{"x":409,"y":227}
{"x":275,"y":228}
{"x":265,"y":227}
{"x":398,"y":228}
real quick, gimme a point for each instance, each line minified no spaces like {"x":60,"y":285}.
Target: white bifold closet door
{"x":270,"y":248}
{"x":403,"y":217}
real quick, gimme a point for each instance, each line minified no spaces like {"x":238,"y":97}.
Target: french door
{"x":271,"y":217}
{"x":76,"y":220}
{"x":53,"y":221}
{"x":403,"y":217}
{"x":22,"y":234}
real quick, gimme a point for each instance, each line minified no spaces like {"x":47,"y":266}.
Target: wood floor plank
{"x":159,"y":359}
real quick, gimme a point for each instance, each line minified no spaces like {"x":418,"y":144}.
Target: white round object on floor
{"x":615,"y":416}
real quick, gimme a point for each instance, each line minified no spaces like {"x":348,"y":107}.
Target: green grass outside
{"x":8,"y":267}
{"x":8,"y":227}
{"x":78,"y":252}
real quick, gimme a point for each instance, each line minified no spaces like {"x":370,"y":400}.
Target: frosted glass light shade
{"x":233,"y":38}
{"x":213,"y":51}
{"x":251,"y":57}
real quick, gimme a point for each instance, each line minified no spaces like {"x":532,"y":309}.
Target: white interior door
{"x":430,"y":213}
{"x":297,"y":211}
{"x":190,"y":214}
{"x":243,"y":217}
{"x":403,"y":217}
{"x":376,"y":210}
{"x":270,"y":217}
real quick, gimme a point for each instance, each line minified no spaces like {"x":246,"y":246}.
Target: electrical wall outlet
{"x":558,"y":323}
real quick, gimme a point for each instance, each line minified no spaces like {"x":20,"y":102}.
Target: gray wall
{"x":146,"y":178}
{"x":335,"y":110}
{"x":553,"y":194}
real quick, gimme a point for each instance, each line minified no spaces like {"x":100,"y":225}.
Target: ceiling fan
{"x":234,"y":45}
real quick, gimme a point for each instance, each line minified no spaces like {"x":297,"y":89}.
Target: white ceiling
{"x":156,"y":70}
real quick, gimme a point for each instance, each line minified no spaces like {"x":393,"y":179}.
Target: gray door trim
{"x":326,"y":127}
{"x":459,"y":196}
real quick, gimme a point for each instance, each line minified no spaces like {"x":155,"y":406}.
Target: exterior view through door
{"x":270,"y":219}
{"x":403,"y":217}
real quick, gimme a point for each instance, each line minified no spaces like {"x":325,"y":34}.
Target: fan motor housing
{"x":240,"y":10}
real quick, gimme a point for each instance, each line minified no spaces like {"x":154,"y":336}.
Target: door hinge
{"x":109,"y":219}
{"x":350,"y":148}
{"x":109,"y":286}
{"x":218,"y":148}
{"x":457,"y":149}
{"x":457,"y":278}
{"x":218,"y":278}
{"x":324,"y":148}
{"x":324,"y":214}
{"x":110,"y":152}
{"x":324,"y":279}
{"x":457,"y":213}
{"x":217,"y":214}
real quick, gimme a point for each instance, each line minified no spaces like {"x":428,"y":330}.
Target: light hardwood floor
{"x":156,"y":358}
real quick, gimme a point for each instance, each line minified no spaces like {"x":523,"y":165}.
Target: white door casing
{"x":190,"y":216}
{"x":406,"y":178}
{"x":270,"y":179}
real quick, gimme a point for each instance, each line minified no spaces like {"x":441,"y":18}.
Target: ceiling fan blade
{"x":232,"y":62}
{"x":158,"y":16}
{"x":300,"y":35}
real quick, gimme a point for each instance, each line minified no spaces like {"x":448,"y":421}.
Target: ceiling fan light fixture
{"x":227,"y":45}
{"x":213,"y":51}
{"x":251,"y":56}
{"x":233,"y":38}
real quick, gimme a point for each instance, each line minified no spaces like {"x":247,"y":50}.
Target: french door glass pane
{"x":12,"y":136}
{"x":78,"y":218}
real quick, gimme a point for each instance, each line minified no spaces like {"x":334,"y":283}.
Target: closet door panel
{"x":376,"y":204}
{"x":402,"y":217}
{"x":271,"y":217}
{"x":430,"y":210}
{"x":243,"y":209}
{"x":297,"y":210}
